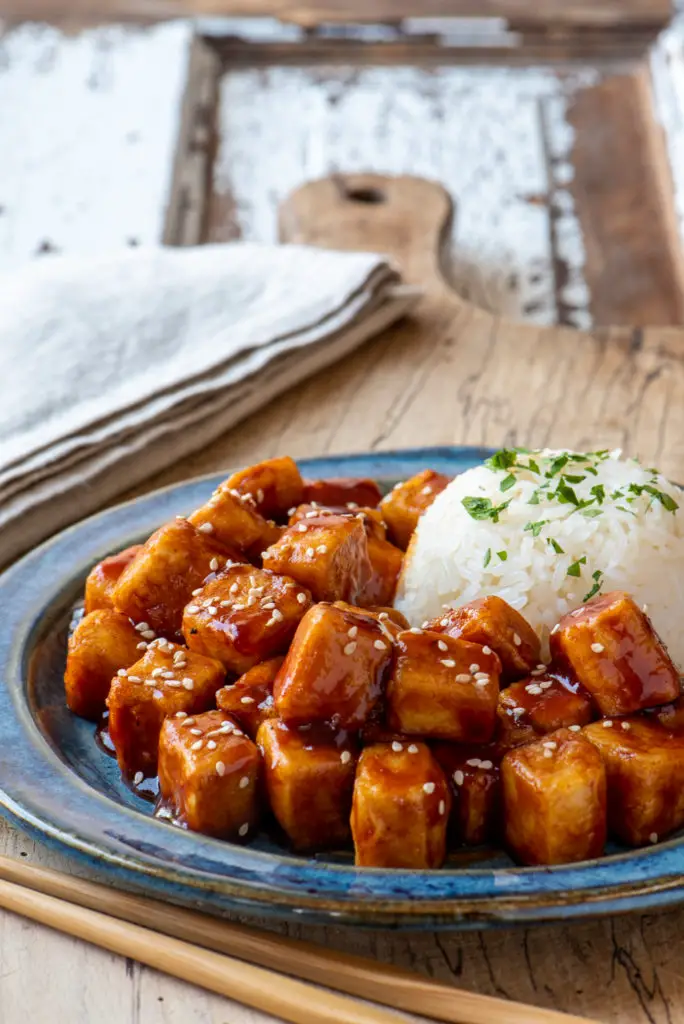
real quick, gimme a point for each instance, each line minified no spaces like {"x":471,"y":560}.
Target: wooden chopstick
{"x":167,"y":938}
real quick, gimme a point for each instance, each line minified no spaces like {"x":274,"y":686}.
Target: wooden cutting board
{"x":452,"y":373}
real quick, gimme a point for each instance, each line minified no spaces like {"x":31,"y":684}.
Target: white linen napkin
{"x":111,"y":368}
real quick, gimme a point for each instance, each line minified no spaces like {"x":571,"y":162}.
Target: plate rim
{"x":256,"y":881}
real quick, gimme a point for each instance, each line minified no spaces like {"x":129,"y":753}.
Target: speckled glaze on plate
{"x":56,"y":783}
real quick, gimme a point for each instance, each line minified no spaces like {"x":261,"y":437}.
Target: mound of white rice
{"x":545,"y":530}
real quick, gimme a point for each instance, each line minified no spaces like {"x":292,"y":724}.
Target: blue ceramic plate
{"x":56,"y":783}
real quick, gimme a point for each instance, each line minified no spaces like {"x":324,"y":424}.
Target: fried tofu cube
{"x":491,"y":622}
{"x":309,"y":778}
{"x":611,"y":647}
{"x":443,"y":688}
{"x":244,"y":616}
{"x":346,"y":491}
{"x":159,"y":581}
{"x":209,"y":774}
{"x":250,"y":699}
{"x":645,"y":770}
{"x":406,"y":502}
{"x":167,"y":679}
{"x":538,"y":705}
{"x":103,"y":577}
{"x":102,"y":643}
{"x":275,"y":485}
{"x":472,"y":771}
{"x":232,"y":519}
{"x":334,"y":670}
{"x":328,"y":556}
{"x":554,"y":799}
{"x":401,"y":808}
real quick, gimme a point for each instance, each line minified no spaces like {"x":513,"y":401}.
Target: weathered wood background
{"x":570,"y":208}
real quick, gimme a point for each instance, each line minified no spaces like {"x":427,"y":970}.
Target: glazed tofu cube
{"x":645,"y":769}
{"x":328,"y":556}
{"x":401,"y":808}
{"x":611,"y":647}
{"x":346,"y":491}
{"x":443,"y":688}
{"x":309,"y":780}
{"x":209,"y":774}
{"x":472,"y":771}
{"x":102,"y":578}
{"x":390,"y":620}
{"x":166,"y":680}
{"x":554,"y":799}
{"x":159,"y":581}
{"x":232,"y":519}
{"x":250,"y":699}
{"x":275,"y":485}
{"x":492,"y":623}
{"x":538,"y":705}
{"x":244,"y":616}
{"x":386,"y":561}
{"x":102,"y":643}
{"x":406,"y":502}
{"x":334,"y":670}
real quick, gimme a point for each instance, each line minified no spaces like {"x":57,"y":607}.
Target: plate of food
{"x":423,"y":688}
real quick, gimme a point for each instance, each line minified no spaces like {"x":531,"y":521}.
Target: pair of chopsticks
{"x":245,"y":964}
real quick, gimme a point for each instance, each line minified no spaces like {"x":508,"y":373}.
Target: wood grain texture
{"x":579,"y":12}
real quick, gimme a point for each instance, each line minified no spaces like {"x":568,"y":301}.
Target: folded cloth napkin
{"x":112,"y":368}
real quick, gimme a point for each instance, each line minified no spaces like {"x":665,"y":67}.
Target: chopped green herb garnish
{"x":535,"y":528}
{"x":534,"y":466}
{"x":507,"y":482}
{"x":556,"y":546}
{"x":565,"y":493}
{"x":557,"y":465}
{"x":665,"y":500}
{"x":598,"y":583}
{"x":487,"y":558}
{"x":623,"y":509}
{"x":483,"y":508}
{"x":575,"y":568}
{"x":534,"y":500}
{"x":591,"y":513}
{"x":574,"y":479}
{"x":503,"y":459}
{"x":503,"y":555}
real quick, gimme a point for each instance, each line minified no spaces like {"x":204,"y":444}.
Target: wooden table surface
{"x":462,"y":379}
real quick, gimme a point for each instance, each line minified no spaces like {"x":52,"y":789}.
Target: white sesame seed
{"x":220,"y":768}
{"x":243,"y":830}
{"x":211,"y":745}
{"x":597,"y":648}
{"x":277,"y":615}
{"x":351,"y":633}
{"x":189,"y":721}
{"x":380,"y":645}
{"x":481,"y":681}
{"x":134,"y":679}
{"x":181,"y":519}
{"x":311,"y":515}
{"x":196,"y":591}
{"x":412,"y":749}
{"x":444,"y":622}
{"x":197,"y":745}
{"x":546,"y":684}
{"x":415,"y":630}
{"x":442,"y":807}
{"x":352,"y":505}
{"x":548,"y":753}
{"x":302,"y":527}
{"x":168,"y":674}
{"x":574,"y":728}
{"x":196,"y":732}
{"x":214,"y":564}
{"x":301,"y":598}
{"x":178,"y":656}
{"x":653,"y":838}
{"x":516,"y":640}
{"x":188,"y":683}
{"x":429,"y":787}
{"x":607,"y":724}
{"x":517,"y":712}
{"x":486,"y":764}
{"x":149,"y":634}
{"x":577,"y":611}
{"x":463,"y":677}
{"x":486,"y":650}
{"x":474,"y":762}
{"x":550,"y":744}
{"x":259,"y":495}
{"x":350,"y":648}
{"x":556,"y":628}
{"x":206,"y":528}
{"x":383,"y":615}
{"x":442,"y":646}
{"x":644,"y":608}
{"x":142,"y":626}
{"x":142,"y":646}
{"x":172,"y":683}
{"x":459,"y":777}
{"x":157,"y":672}
{"x":425,"y":625}
{"x":267,"y":604}
{"x":291,"y":511}
{"x":322,"y":549}
{"x":626,"y":726}
{"x":481,"y":675}
{"x":121,"y":672}
{"x":396,"y":746}
{"x":474,"y":668}
{"x":345,"y":757}
{"x":447,"y":662}
{"x":181,"y":714}
{"x":310,"y":552}
{"x":534,"y":689}
{"x":246,"y":700}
